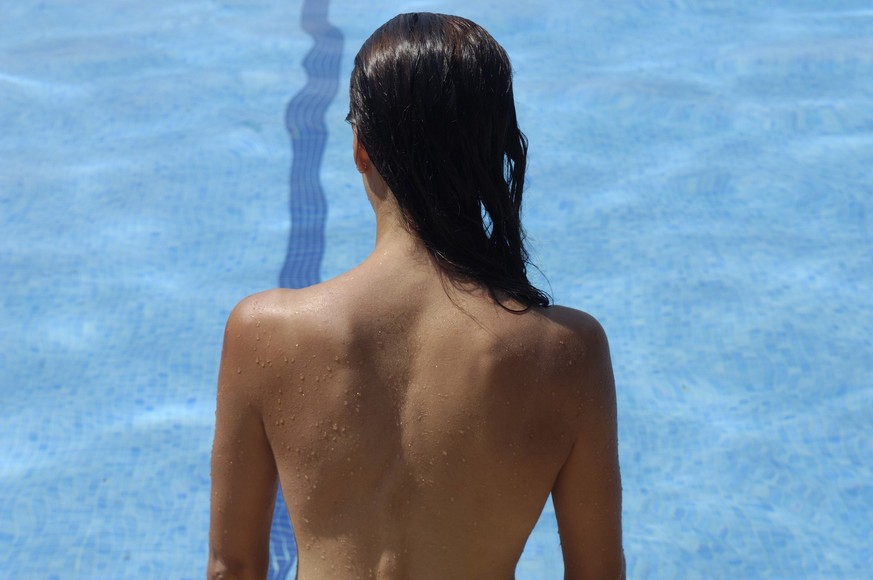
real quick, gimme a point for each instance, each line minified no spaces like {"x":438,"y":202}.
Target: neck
{"x":392,"y":232}
{"x":394,"y":238}
{"x":396,"y":244}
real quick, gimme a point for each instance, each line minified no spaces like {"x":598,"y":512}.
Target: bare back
{"x":417,"y":428}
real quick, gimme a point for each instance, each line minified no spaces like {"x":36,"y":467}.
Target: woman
{"x":419,"y":409}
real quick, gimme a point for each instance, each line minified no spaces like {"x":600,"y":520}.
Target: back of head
{"x":432,"y":103}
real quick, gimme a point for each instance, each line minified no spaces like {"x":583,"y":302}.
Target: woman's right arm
{"x":587,"y":492}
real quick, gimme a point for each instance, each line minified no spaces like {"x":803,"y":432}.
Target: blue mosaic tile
{"x":698,"y":180}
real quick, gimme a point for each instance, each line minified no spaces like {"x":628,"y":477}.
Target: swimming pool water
{"x":699,"y":180}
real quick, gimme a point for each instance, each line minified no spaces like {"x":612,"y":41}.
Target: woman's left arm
{"x":244,"y":476}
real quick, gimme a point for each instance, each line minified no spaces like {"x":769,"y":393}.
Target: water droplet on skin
{"x":238,"y":370}
{"x":257,"y":360}
{"x":335,"y":427}
{"x":296,"y":345}
{"x":257,"y":322}
{"x":302,"y":378}
{"x":286,"y":358}
{"x":445,"y":452}
{"x":257,"y":336}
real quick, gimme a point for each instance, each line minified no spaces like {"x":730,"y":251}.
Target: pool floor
{"x":699,"y":180}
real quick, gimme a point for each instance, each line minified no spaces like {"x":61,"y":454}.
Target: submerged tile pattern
{"x":304,"y":120}
{"x":699,"y":181}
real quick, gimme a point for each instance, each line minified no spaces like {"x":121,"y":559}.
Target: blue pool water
{"x":700,"y":180}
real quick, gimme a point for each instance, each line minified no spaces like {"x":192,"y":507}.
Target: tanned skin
{"x":416,"y":427}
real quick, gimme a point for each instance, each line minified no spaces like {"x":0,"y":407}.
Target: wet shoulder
{"x":280,"y":324}
{"x":577,"y":331}
{"x":285,"y":311}
{"x":577,"y":350}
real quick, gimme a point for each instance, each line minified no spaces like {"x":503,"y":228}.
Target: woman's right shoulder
{"x":577,"y":350}
{"x":575,"y":327}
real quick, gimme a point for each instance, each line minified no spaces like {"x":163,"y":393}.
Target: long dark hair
{"x":431,"y":99}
